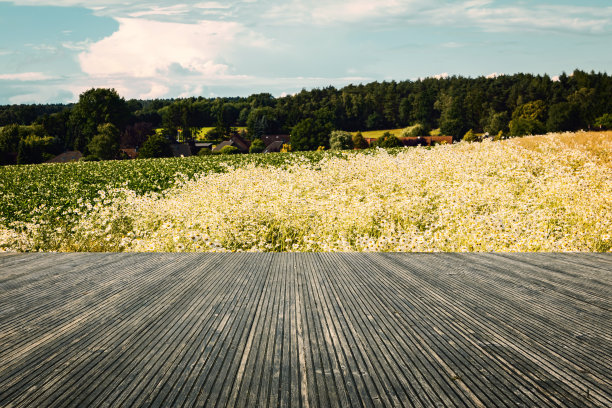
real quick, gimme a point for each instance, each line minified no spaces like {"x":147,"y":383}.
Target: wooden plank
{"x":306,"y":330}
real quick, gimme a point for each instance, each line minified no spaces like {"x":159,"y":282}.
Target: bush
{"x":90,"y":157}
{"x":604,"y":121}
{"x":257,"y":146}
{"x":471,"y":137}
{"x":526,"y":126}
{"x":416,"y":130}
{"x":205,"y":151}
{"x":155,"y":146}
{"x":359,"y":141}
{"x":340,"y":140}
{"x":528,"y":118}
{"x":229,"y":150}
{"x":387,"y":140}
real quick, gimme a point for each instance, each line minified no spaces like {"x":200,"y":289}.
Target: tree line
{"x":514,"y":105}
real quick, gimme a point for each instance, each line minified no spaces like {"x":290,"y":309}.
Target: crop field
{"x":540,"y":193}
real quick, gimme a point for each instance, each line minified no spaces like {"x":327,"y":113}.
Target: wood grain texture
{"x":306,"y":330}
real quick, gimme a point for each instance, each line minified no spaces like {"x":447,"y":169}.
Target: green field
{"x":48,"y":191}
{"x":375,"y":134}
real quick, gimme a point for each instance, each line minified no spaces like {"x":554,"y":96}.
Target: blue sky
{"x":52,"y":50}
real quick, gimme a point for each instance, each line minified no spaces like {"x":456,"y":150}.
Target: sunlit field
{"x":542,"y":193}
{"x":375,"y":134}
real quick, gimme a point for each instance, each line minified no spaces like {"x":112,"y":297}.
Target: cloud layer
{"x":235,"y":47}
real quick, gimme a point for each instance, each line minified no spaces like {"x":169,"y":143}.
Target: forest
{"x":514,"y":105}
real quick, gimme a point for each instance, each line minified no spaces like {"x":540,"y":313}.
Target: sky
{"x":52,"y":50}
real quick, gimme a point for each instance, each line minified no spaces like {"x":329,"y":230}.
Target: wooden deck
{"x":306,"y":330}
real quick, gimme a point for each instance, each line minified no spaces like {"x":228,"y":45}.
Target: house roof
{"x":267,"y":139}
{"x":240,"y":143}
{"x":274,"y":147}
{"x":132,"y":153}
{"x":70,"y":156}
{"x":203,"y":144}
{"x":222,"y":145}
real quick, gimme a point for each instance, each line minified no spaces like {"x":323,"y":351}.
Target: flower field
{"x":541,"y":193}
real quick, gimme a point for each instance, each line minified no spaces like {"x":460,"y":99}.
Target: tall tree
{"x":95,"y":107}
{"x":309,"y":134}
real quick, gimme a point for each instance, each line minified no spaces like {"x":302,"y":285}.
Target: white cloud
{"x":489,"y":17}
{"x":148,"y":59}
{"x":485,"y":14}
{"x":212,"y":5}
{"x":356,"y":10}
{"x":156,"y":91}
{"x":25,"y":76}
{"x":162,"y":11}
{"x":443,"y":75}
{"x":145,"y":48}
{"x":77,"y":45}
{"x":321,"y":12}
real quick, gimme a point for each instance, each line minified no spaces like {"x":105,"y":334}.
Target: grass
{"x":375,"y":134}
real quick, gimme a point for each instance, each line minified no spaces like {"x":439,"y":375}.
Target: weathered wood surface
{"x":306,"y":330}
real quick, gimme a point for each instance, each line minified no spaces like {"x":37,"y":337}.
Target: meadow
{"x":540,"y":193}
{"x":375,"y":134}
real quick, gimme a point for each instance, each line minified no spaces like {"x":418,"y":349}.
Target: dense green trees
{"x":563,"y":116}
{"x":452,"y":115}
{"x":36,"y":149}
{"x":514,"y":104}
{"x":261,"y":121}
{"x":95,"y":107}
{"x":309,"y":134}
{"x":604,"y":121}
{"x":528,"y":119}
{"x":9,"y":142}
{"x":105,"y":144}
